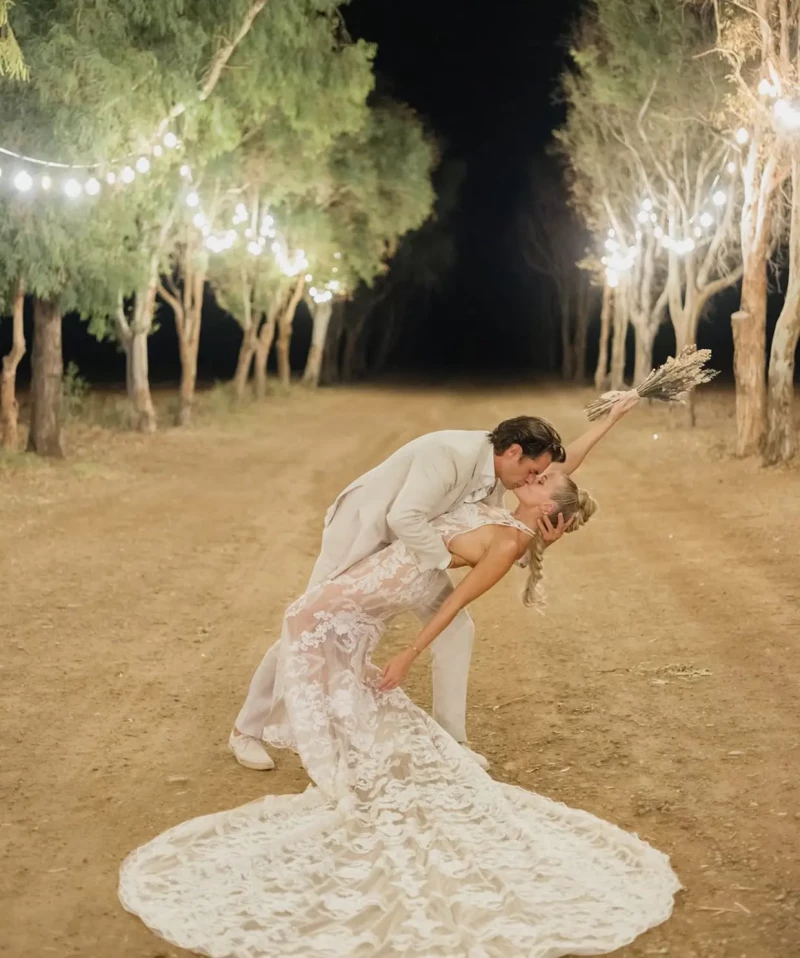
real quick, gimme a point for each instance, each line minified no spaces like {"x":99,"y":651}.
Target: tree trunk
{"x":601,"y":371}
{"x":583,"y":311}
{"x":351,"y":359}
{"x":330,"y":373}
{"x":284,"y":340}
{"x":645,"y":336}
{"x":750,"y":321}
{"x":322,"y":318}
{"x":187,"y":307}
{"x":47,"y":382}
{"x":620,"y":336}
{"x":565,"y":311}
{"x":144,"y":410}
{"x":188,"y":385}
{"x":266,"y":335}
{"x":247,"y":351}
{"x":749,"y":344}
{"x":9,"y":407}
{"x":781,"y":439}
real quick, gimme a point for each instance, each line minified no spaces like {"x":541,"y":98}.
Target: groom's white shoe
{"x":248,"y":751}
{"x":476,"y":756}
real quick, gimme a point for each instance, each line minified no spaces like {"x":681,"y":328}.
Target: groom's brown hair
{"x":535,"y":436}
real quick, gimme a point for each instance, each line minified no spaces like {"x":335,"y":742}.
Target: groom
{"x":397,"y":500}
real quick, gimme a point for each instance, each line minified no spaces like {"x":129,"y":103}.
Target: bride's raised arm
{"x":488,"y":571}
{"x":578,"y":449}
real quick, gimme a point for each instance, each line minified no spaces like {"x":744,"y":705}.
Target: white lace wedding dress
{"x":404,"y":846}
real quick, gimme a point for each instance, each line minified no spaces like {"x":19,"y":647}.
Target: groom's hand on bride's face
{"x":552,"y":533}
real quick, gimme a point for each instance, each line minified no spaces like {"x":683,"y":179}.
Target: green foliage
{"x":12,"y":63}
{"x":74,"y":391}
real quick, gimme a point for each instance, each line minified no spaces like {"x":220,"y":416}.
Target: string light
{"x":46,"y":182}
{"x":23,"y":181}
{"x":719,"y":198}
{"x":742,"y":136}
{"x":127,"y":175}
{"x":170,"y":140}
{"x":731,"y":166}
{"x":706,"y":219}
{"x":786,"y":114}
{"x":73,"y":188}
{"x":92,"y":186}
{"x":192,"y":199}
{"x":111,"y":178}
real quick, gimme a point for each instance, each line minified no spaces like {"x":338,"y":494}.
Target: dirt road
{"x":143,"y":579}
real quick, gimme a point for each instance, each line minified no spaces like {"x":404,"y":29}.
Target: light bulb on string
{"x":642,"y":216}
{"x":719,"y":198}
{"x":308,"y":277}
{"x":742,"y":136}
{"x":111,"y":178}
{"x":786,"y":114}
{"x":185,"y":171}
{"x":765,"y":88}
{"x":92,"y":186}
{"x":73,"y":188}
{"x":46,"y":182}
{"x":731,"y":166}
{"x":276,"y":247}
{"x":143,"y":164}
{"x":611,"y":245}
{"x":254,"y":248}
{"x":170,"y":140}
{"x":127,"y":175}
{"x":157,"y":151}
{"x":706,"y":219}
{"x":647,"y":205}
{"x":199,"y":220}
{"x":23,"y":181}
{"x":192,"y":199}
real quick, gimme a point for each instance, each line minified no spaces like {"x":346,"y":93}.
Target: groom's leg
{"x":451,"y":653}
{"x":258,"y":704}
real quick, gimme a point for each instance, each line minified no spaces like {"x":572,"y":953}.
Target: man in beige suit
{"x":397,"y":500}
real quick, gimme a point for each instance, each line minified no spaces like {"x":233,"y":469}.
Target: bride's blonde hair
{"x":569,"y":501}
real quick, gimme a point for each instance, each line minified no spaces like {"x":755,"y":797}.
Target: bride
{"x":403,"y":846}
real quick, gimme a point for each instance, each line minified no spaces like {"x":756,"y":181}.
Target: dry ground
{"x":143,"y":579}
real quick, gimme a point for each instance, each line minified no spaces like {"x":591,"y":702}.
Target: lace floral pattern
{"x":404,"y":846}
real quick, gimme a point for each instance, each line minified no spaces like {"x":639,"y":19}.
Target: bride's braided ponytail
{"x":570,"y":501}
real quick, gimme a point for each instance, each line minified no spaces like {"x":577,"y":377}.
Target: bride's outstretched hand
{"x":625,"y":403}
{"x":396,"y":670}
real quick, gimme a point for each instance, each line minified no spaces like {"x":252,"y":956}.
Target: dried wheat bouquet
{"x":671,"y":382}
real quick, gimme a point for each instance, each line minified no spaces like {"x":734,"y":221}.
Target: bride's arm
{"x":488,"y":571}
{"x":578,"y":449}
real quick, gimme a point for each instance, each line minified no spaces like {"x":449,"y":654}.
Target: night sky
{"x":483,"y":78}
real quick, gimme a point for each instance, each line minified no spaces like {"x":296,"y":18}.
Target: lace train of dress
{"x":404,"y":846}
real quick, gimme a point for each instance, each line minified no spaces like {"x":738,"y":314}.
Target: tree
{"x":12,"y":63}
{"x":781,"y":438}
{"x":554,"y":241}
{"x":642,"y":102}
{"x":382,"y":191}
{"x":9,"y":407}
{"x":758,"y":38}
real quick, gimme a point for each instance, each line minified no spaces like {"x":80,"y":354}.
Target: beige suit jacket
{"x":397,"y":499}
